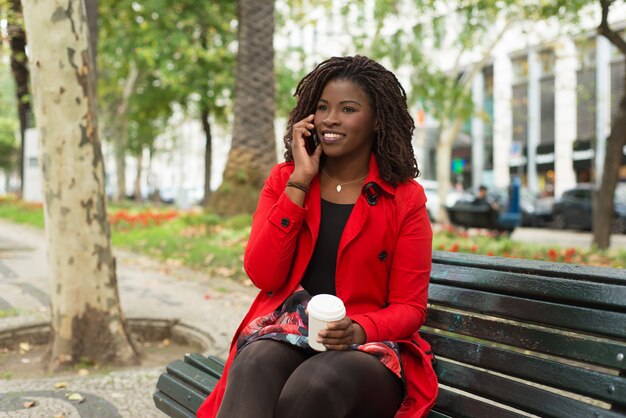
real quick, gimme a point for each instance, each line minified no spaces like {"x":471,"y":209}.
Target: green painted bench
{"x":513,"y":338}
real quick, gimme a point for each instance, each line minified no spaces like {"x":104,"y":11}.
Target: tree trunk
{"x":87,"y":320}
{"x":120,"y":131}
{"x":119,"y":152}
{"x":137,"y":185}
{"x":253,"y":149}
{"x":208,"y":154}
{"x":603,"y":199}
{"x":19,"y":68}
{"x":447,"y":135}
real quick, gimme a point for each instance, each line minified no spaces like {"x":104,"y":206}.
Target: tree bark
{"x":91,"y":7}
{"x":87,"y":319}
{"x":603,"y":198}
{"x":253,"y":149}
{"x":208,"y":155}
{"x":19,"y":68}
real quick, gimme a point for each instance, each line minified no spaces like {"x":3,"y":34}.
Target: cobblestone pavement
{"x":148,"y":289}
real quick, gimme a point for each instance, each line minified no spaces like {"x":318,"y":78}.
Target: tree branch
{"x":606,"y":31}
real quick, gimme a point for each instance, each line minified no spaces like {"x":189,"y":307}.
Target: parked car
{"x":574,"y":208}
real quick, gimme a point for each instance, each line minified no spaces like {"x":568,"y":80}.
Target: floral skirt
{"x":289,"y":324}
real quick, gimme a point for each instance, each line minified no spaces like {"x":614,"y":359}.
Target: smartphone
{"x":311,"y":142}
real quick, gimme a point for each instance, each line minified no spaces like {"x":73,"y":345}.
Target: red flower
{"x":553,"y":254}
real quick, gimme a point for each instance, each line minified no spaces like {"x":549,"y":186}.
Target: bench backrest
{"x":475,"y":216}
{"x":518,"y":337}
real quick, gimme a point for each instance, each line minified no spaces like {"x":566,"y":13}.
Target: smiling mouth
{"x":330,"y":137}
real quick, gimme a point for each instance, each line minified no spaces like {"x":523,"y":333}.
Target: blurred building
{"x":546,"y":110}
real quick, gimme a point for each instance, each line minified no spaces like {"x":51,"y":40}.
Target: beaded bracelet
{"x":299,"y":186}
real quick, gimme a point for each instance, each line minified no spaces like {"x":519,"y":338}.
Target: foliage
{"x":8,"y":117}
{"x":214,"y":244}
{"x":183,"y":54}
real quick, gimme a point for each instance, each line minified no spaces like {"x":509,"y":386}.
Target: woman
{"x":349,"y":220}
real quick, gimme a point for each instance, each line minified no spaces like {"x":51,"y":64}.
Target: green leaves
{"x":183,"y":51}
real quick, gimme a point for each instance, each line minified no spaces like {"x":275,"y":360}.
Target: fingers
{"x":338,"y":335}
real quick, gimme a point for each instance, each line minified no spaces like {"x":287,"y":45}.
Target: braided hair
{"x":392,"y":145}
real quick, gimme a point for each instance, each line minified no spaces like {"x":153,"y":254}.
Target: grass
{"x":215,"y":245}
{"x":484,"y":242}
{"x":21,"y":212}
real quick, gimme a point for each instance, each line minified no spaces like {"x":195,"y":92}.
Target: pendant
{"x":338,"y":188}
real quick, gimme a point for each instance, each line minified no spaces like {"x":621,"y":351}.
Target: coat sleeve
{"x":409,"y":277}
{"x":275,"y":226}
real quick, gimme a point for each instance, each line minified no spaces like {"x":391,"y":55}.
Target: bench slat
{"x":181,"y":392}
{"x":461,"y":406}
{"x":561,"y":289}
{"x":526,"y":266}
{"x":199,"y":380}
{"x":599,"y":322}
{"x":518,"y":395}
{"x":605,"y":387}
{"x":210,"y":365}
{"x":605,"y":353}
{"x":170,"y":406}
{"x":437,"y":414}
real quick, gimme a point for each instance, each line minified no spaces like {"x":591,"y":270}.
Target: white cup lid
{"x":326,"y":307}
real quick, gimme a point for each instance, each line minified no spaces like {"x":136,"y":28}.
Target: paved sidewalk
{"x":148,"y":289}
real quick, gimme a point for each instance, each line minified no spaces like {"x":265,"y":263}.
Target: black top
{"x":320,"y":274}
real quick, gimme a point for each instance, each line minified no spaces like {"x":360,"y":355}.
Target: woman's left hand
{"x":339,"y":335}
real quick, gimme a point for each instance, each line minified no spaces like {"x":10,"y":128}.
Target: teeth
{"x":331,"y":135}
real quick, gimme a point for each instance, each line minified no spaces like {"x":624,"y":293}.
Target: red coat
{"x":382,"y":273}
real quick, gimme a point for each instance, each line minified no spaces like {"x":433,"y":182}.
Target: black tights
{"x":272,"y":379}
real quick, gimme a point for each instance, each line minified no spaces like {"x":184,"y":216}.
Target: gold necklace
{"x":339,"y":186}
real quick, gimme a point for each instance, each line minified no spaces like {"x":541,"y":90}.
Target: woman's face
{"x":344,"y":120}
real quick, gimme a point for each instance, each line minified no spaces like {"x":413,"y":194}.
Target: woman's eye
{"x":349,"y":109}
{"x":321,"y":107}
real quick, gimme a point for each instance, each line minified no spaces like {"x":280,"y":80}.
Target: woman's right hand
{"x":306,"y":166}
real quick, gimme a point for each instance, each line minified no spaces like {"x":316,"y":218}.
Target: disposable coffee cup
{"x":323,"y":309}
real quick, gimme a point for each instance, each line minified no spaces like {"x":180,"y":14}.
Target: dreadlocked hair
{"x":392,"y":145}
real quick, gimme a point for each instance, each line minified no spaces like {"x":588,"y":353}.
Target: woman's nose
{"x":330,"y":119}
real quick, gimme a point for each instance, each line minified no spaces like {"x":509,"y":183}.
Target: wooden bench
{"x":513,"y":338}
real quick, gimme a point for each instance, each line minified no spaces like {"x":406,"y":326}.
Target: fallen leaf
{"x":24,"y":347}
{"x":61,"y":415}
{"x":166,"y":342}
{"x":29,"y":404}
{"x":83,"y":372}
{"x":75,"y":397}
{"x":60,"y":385}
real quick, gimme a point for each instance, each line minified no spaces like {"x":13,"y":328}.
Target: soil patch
{"x":26,"y":360}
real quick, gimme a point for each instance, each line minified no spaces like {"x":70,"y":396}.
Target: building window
{"x":586,"y":90}
{"x":618,"y":72}
{"x":546,"y":89}
{"x":520,"y":99}
{"x":520,"y":70}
